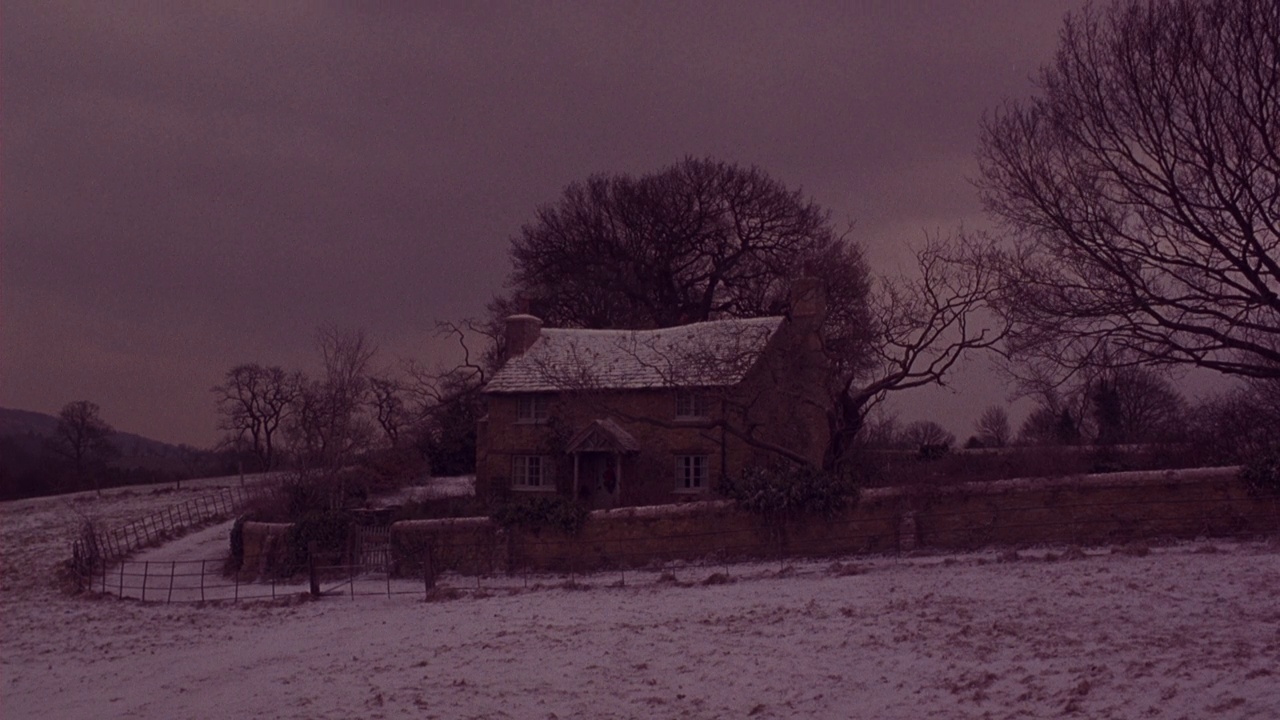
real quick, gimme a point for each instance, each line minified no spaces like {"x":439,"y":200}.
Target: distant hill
{"x":26,"y":423}
{"x":28,"y":468}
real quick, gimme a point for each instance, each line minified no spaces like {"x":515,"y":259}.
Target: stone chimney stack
{"x":521,"y":332}
{"x":808,"y":300}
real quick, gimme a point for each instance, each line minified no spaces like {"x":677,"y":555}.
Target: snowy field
{"x":1189,"y":630}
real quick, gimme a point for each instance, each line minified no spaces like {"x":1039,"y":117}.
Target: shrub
{"x":553,"y":511}
{"x":933,"y":451}
{"x":783,"y":490}
{"x":1261,"y":471}
{"x":329,"y":530}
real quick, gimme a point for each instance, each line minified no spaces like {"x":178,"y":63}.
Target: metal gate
{"x":373,"y":549}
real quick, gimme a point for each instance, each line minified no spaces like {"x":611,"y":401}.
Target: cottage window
{"x":531,"y":472}
{"x":531,"y":409}
{"x":692,"y":405}
{"x":691,"y":473}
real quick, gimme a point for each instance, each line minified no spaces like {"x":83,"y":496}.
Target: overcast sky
{"x":189,"y":186}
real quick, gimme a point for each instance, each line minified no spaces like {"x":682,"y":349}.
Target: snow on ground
{"x":1187,"y":630}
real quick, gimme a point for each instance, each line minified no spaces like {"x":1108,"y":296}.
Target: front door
{"x":600,"y":473}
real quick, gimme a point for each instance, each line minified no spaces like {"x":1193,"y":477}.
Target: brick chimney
{"x":521,"y":333}
{"x":808,"y":299}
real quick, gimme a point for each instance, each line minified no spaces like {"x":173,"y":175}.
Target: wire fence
{"x":208,"y":581}
{"x":97,"y":547}
{"x":441,"y":565}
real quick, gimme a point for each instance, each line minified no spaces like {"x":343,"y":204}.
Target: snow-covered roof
{"x":716,"y":353}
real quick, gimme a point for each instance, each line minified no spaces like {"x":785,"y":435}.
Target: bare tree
{"x":881,"y":429}
{"x":1133,"y":405}
{"x":82,"y":437}
{"x":1050,"y":423}
{"x":926,"y":433}
{"x":921,"y":327}
{"x":1140,"y":189}
{"x":1239,"y":423}
{"x":254,"y":401}
{"x":993,"y":427}
{"x":328,"y":425}
{"x":390,"y":408}
{"x":699,"y":240}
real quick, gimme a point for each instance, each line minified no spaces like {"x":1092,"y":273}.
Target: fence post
{"x":311,"y":569}
{"x":146,"y":572}
{"x":429,"y":567}
{"x":173,"y":568}
{"x":122,"y":578}
{"x":202,"y":562}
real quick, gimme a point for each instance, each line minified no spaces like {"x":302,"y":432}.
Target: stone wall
{"x":266,"y":549}
{"x":1087,"y":510}
{"x":471,"y":546}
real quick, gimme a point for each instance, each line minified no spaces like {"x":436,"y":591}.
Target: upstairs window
{"x":531,"y":409}
{"x":692,"y":405}
{"x":692,"y":473}
{"x":531,"y":472}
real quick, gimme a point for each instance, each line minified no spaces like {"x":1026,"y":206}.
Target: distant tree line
{"x":83,"y":452}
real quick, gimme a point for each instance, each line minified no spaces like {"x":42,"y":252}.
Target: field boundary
{"x":415,"y":556}
{"x":96,"y":547}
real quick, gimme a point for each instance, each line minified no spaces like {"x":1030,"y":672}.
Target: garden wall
{"x":1086,"y":510}
{"x":266,"y":549}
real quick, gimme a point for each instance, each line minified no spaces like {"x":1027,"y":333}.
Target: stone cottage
{"x":643,"y":417}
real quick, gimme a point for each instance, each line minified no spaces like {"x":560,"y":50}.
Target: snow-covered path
{"x":1187,"y":631}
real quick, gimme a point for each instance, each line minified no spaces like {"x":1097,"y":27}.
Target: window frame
{"x":692,"y":405}
{"x":692,"y":473}
{"x":532,"y":409}
{"x":520,"y":473}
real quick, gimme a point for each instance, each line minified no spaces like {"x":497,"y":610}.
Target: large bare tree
{"x":921,"y":326}
{"x":699,"y":240}
{"x":253,"y":402}
{"x":328,"y":424}
{"x":993,"y":427}
{"x":83,"y":438}
{"x":1141,"y":190}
